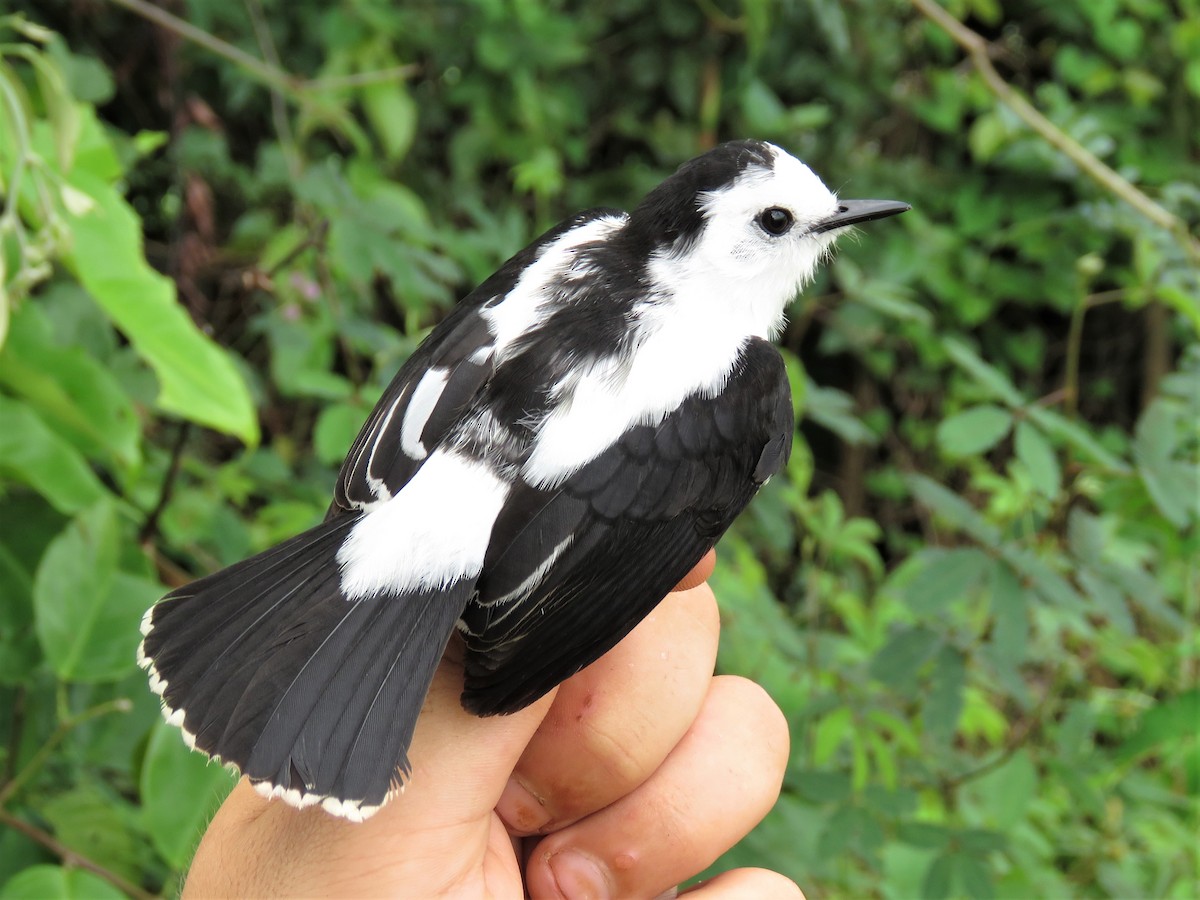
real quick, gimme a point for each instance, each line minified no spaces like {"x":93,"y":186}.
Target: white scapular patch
{"x":530,"y":300}
{"x":420,"y":408}
{"x":431,"y":534}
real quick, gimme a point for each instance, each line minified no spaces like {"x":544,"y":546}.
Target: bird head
{"x":748,"y":220}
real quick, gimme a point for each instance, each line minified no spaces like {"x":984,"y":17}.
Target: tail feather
{"x":268,"y":666}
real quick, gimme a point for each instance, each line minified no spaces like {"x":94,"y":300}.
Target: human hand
{"x":632,"y":777}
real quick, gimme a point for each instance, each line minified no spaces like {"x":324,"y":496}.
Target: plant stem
{"x":71,"y":857}
{"x":65,"y":727}
{"x":978,"y":51}
{"x":291,"y":86}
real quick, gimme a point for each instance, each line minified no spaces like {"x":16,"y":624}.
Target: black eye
{"x":775,"y":220}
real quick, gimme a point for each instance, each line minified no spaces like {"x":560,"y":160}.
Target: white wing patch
{"x":420,"y":407}
{"x":530,"y":301}
{"x":434,"y":532}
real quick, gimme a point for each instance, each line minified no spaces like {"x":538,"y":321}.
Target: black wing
{"x":378,"y":464}
{"x":571,"y":571}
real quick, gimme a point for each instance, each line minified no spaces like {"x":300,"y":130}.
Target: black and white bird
{"x":557,"y":454}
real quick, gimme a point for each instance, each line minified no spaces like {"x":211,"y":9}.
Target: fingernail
{"x":520,"y":809}
{"x":579,"y":877}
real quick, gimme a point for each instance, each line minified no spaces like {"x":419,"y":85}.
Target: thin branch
{"x":291,"y":86}
{"x":150,"y":526}
{"x":978,"y":52}
{"x":72,"y":857}
{"x":9,"y":790}
{"x":283,"y":128}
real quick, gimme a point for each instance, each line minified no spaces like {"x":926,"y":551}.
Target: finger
{"x":613,"y":724}
{"x":460,"y":764}
{"x":718,"y":783}
{"x":700,"y":572}
{"x":746,"y":884}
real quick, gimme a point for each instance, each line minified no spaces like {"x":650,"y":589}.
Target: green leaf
{"x":822,"y":786}
{"x":35,"y":455}
{"x":336,"y":428}
{"x":834,"y":409}
{"x":1005,"y":793}
{"x":946,"y":576}
{"x":956,"y":511}
{"x":1010,"y":614}
{"x":939,"y":878}
{"x":71,"y":392}
{"x":1035,"y":452}
{"x":181,"y":791}
{"x":974,"y":875}
{"x":97,"y":826}
{"x":1062,"y":428}
{"x":1172,"y":484}
{"x":393,"y":116}
{"x":944,"y":702}
{"x":974,"y":430}
{"x":924,"y":834}
{"x":829,"y":734}
{"x":1171,"y":720}
{"x":897,"y":663}
{"x":198,"y":378}
{"x":86,"y":611}
{"x":58,"y":883}
{"x":27,"y":525}
{"x":988,"y":376}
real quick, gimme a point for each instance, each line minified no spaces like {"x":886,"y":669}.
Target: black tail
{"x":267,"y":665}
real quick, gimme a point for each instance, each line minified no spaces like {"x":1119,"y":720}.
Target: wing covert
{"x":572,"y":570}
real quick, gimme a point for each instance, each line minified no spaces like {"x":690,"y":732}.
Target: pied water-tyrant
{"x":560,"y":451}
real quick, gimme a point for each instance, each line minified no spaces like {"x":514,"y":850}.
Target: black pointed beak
{"x":851,"y":212}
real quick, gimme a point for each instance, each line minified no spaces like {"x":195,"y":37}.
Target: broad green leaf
{"x":987,"y":375}
{"x":336,"y":428}
{"x":838,"y":833}
{"x":1077,"y":436}
{"x":956,"y":511}
{"x":974,"y":430}
{"x":393,"y":116}
{"x":924,"y":834}
{"x":939,"y":878}
{"x":834,"y":409}
{"x":1005,"y":793}
{"x":829,"y":734}
{"x":96,"y":825}
{"x":33,"y":454}
{"x":946,"y":576}
{"x":71,"y":392}
{"x":86,"y":611}
{"x":822,"y":786}
{"x":1010,"y":615}
{"x":1035,"y":452}
{"x":1177,"y":718}
{"x":198,"y":379}
{"x":897,"y":663}
{"x":47,"y":882}
{"x":1171,"y":483}
{"x":974,"y":876}
{"x":180,"y":792}
{"x":27,"y":525}
{"x":944,"y":701}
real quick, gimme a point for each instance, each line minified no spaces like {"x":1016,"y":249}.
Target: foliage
{"x":974,"y":593}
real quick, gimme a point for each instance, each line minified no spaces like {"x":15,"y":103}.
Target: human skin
{"x":633,"y":776}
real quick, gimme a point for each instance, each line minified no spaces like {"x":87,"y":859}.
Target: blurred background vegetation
{"x":974,"y":593}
